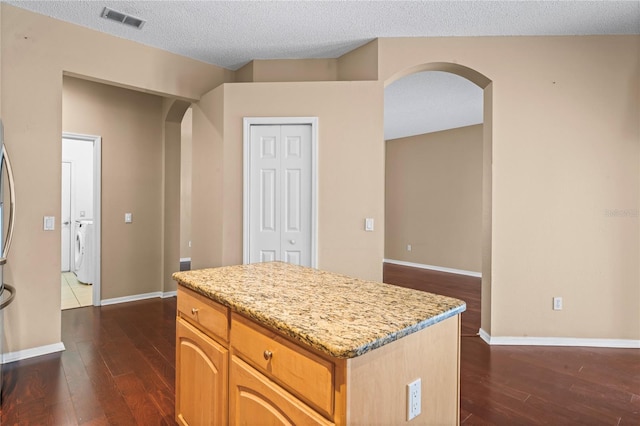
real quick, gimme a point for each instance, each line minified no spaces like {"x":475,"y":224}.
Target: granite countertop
{"x":342,"y":316}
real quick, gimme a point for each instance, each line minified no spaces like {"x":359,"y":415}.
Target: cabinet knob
{"x":194,"y":310}
{"x":267,"y":355}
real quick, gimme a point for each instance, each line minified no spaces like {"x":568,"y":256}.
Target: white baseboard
{"x":185,"y":259}
{"x":169,"y":294}
{"x":30,"y":353}
{"x":434,"y":268}
{"x":559,"y":341}
{"x":132,"y":298}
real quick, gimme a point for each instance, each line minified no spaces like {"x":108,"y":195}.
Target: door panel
{"x":296,"y":167}
{"x":267,"y":256}
{"x":280,"y":193}
{"x":265,"y":214}
{"x":292,"y":211}
{"x":268,"y":200}
{"x":292,"y":257}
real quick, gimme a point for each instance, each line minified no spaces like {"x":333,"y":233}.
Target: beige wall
{"x":185,"y":183}
{"x":434,"y":199}
{"x":360,"y":63}
{"x":565,"y":151}
{"x":351,"y":169}
{"x":207,"y":180}
{"x":130,"y":124}
{"x":288,"y":70}
{"x":36,"y":51}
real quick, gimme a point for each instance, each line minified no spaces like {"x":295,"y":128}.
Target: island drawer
{"x":212,"y":317}
{"x":301,"y":372}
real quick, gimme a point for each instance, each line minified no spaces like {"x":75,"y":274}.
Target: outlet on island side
{"x":414,"y":395}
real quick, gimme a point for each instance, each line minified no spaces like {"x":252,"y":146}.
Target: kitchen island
{"x":274,"y":343}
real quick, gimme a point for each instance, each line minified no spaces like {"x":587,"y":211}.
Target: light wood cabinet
{"x":254,"y":399}
{"x":201,"y":377}
{"x":306,"y":375}
{"x":231,"y":370}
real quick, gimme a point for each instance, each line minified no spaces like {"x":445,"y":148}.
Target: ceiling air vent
{"x":122,"y":18}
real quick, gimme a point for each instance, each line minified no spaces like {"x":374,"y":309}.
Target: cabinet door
{"x":256,"y":400}
{"x":201,"y":378}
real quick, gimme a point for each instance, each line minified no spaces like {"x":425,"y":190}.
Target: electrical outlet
{"x":414,"y":396}
{"x":557,"y":303}
{"x":408,"y":247}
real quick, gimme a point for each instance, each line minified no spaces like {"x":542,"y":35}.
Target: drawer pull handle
{"x":194,"y":310}
{"x":267,"y":355}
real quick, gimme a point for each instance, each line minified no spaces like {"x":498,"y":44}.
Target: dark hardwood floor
{"x":459,"y":286}
{"x":118,"y":369}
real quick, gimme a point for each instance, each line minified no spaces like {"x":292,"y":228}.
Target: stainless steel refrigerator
{"x":7,"y":216}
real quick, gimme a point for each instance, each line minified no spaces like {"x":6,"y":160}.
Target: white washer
{"x":84,"y":258}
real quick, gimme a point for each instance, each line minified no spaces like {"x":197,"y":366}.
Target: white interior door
{"x":65,"y":218}
{"x":280,"y":188}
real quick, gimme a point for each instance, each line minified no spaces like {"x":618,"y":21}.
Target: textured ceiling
{"x":231,"y":33}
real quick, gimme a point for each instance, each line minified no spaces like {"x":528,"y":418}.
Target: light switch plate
{"x":49,"y":223}
{"x":128,"y":218}
{"x":368,"y":224}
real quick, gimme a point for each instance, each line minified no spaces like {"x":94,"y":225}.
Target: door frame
{"x":71,"y":212}
{"x":97,"y":202}
{"x":247,"y":122}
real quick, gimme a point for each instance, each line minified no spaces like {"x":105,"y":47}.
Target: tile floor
{"x":74,"y":294}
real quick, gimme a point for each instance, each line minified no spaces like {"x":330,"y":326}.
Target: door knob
{"x":65,"y":223}
{"x":292,"y":241}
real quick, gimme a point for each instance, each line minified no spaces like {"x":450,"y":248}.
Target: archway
{"x":485,"y":84}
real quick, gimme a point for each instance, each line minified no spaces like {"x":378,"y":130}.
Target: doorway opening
{"x":438,"y":184}
{"x":80,"y":221}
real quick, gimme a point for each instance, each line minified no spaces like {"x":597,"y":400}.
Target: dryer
{"x":84,"y":258}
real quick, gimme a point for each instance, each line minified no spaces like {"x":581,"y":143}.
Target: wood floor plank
{"x":103,"y":384}
{"x":144,"y":410}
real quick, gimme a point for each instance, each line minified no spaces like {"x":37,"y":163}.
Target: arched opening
{"x":461,"y":250}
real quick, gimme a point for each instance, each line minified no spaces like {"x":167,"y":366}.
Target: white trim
{"x":168,"y":294}
{"x":484,"y":336}
{"x":247,"y":122}
{"x":185,"y":259}
{"x":97,"y":207}
{"x":72,"y":214}
{"x":559,"y":341}
{"x":132,"y":298}
{"x":434,"y":268}
{"x":30,"y":353}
